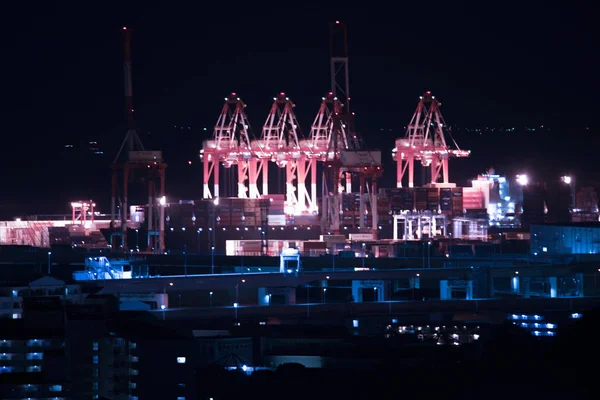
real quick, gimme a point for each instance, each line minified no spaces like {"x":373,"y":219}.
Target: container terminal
{"x":330,"y":204}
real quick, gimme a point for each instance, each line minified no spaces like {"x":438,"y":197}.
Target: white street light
{"x":522,"y":180}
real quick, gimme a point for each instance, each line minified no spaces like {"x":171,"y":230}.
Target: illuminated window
{"x":35,"y":356}
{"x":95,"y":346}
{"x":95,"y":359}
{"x":180,"y":360}
{"x":95,"y":386}
{"x":55,"y":388}
{"x":34,"y":368}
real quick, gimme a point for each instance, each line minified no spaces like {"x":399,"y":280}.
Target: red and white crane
{"x":279,"y":143}
{"x":229,"y":146}
{"x":319,"y":146}
{"x":425,"y":142}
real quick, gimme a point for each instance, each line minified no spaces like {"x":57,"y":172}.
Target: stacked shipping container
{"x":237,"y":212}
{"x":224,"y":212}
{"x":400,"y":199}
{"x":472,"y":198}
{"x":451,"y":201}
{"x":276,"y":209}
{"x":457,"y":202}
{"x":433,"y":199}
{"x":350,"y":209}
{"x":421,"y":198}
{"x":383,"y":210}
{"x":204,"y":212}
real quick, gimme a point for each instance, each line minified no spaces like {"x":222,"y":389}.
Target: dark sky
{"x":505,"y":65}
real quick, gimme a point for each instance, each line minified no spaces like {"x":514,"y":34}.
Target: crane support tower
{"x":229,"y":146}
{"x":281,"y":142}
{"x":345,"y":156}
{"x":425,"y":141}
{"x":136,"y":163}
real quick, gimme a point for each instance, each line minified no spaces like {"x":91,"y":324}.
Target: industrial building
{"x":564,"y":239}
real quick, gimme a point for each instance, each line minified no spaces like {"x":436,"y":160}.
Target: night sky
{"x":521,"y":66}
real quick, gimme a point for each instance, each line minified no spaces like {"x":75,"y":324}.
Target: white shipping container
{"x":361,"y":236}
{"x":332,"y":238}
{"x":277,"y":220}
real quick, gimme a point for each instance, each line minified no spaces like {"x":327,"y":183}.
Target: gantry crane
{"x":229,"y":146}
{"x":425,"y":142}
{"x":317,"y":148}
{"x":279,"y":143}
{"x":137,"y":163}
{"x":345,"y":156}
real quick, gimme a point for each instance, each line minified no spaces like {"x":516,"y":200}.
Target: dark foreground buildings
{"x":91,"y":350}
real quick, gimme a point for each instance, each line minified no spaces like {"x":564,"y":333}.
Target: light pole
{"x":212,"y":259}
{"x":333,"y":259}
{"x":210,"y":299}
{"x":235,"y":307}
{"x":428,"y":254}
{"x":185,"y":259}
{"x":376,"y":297}
{"x":162,"y":307}
{"x":501,"y":237}
{"x":49,"y":254}
{"x":324,"y":295}
{"x":307,"y":301}
{"x":363,"y":255}
{"x":199,"y":231}
{"x":242,"y":237}
{"x":137,"y":239}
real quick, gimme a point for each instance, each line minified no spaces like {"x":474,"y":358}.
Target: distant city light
{"x":522,"y":180}
{"x":566,"y":179}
